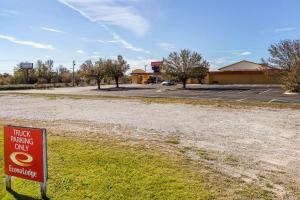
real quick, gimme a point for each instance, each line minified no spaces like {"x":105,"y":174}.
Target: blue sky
{"x":142,"y":30}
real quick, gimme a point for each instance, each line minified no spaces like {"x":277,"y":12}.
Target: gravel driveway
{"x":265,"y":139}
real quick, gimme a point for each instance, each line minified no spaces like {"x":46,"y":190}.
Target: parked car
{"x":168,"y":83}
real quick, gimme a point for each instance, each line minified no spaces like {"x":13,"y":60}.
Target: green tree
{"x":19,"y":76}
{"x":116,"y":68}
{"x":201,"y":72}
{"x":181,"y":65}
{"x":94,"y":71}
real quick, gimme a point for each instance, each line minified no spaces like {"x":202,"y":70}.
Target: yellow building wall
{"x":145,"y":78}
{"x":195,"y":81}
{"x":139,"y":79}
{"x":241,"y":78}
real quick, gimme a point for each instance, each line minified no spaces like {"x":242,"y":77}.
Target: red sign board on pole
{"x":25,"y":153}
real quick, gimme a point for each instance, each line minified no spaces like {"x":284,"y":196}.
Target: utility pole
{"x":145,"y":68}
{"x":73,"y":75}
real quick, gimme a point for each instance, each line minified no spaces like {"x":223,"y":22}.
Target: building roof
{"x":243,"y":65}
{"x":138,"y":71}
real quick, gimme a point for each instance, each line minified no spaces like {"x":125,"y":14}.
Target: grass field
{"x":107,"y":169}
{"x":31,"y":86}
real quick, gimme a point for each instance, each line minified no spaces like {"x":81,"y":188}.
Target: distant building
{"x":243,"y":72}
{"x":140,"y":76}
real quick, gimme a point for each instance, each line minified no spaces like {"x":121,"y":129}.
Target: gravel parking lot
{"x":262,"y":140}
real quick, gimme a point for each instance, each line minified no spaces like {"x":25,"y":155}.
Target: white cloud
{"x":127,"y":45}
{"x":27,"y":43}
{"x":284,"y":29}
{"x":221,"y":62}
{"x":117,"y":39}
{"x":94,"y":57}
{"x":51,"y":30}
{"x":80,"y":51}
{"x":111,"y":12}
{"x":246,"y":53}
{"x":242,"y":53}
{"x":7,"y":13}
{"x":166,"y":46}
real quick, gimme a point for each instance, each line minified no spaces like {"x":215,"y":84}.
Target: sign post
{"x":26,"y":66}
{"x":25,"y":155}
{"x":8,"y":182}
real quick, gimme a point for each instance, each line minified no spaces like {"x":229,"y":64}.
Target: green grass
{"x":107,"y":169}
{"x":31,"y":86}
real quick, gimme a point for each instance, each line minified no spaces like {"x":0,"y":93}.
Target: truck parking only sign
{"x":25,"y":153}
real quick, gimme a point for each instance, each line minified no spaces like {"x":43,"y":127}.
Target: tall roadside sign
{"x":25,"y":155}
{"x":26,"y":66}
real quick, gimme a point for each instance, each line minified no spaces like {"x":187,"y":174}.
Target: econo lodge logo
{"x":22,"y":159}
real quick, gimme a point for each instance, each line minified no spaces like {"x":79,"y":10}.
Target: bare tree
{"x":285,"y":57}
{"x":96,"y":71}
{"x":5,"y":79}
{"x":64,"y":74}
{"x":117,"y":68}
{"x":44,"y":71}
{"x":285,"y":54}
{"x":181,"y":65}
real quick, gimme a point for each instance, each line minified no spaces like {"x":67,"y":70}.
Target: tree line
{"x":283,"y":64}
{"x":42,"y":73}
{"x":45,"y":73}
{"x":104,"y":68}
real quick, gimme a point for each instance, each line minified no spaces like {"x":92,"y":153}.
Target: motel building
{"x":140,"y":76}
{"x":243,"y":72}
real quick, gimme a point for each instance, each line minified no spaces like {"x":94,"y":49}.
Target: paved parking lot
{"x":265,"y":93}
{"x":239,"y":93}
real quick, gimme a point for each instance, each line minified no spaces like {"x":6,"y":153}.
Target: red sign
{"x":25,"y":153}
{"x":156,"y":64}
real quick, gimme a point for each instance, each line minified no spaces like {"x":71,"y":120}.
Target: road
{"x":265,"y":93}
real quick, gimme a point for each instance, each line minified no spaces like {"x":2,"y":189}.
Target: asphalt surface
{"x":240,"y":93}
{"x":237,"y":93}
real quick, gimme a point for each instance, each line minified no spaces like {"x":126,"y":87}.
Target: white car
{"x":168,"y":83}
